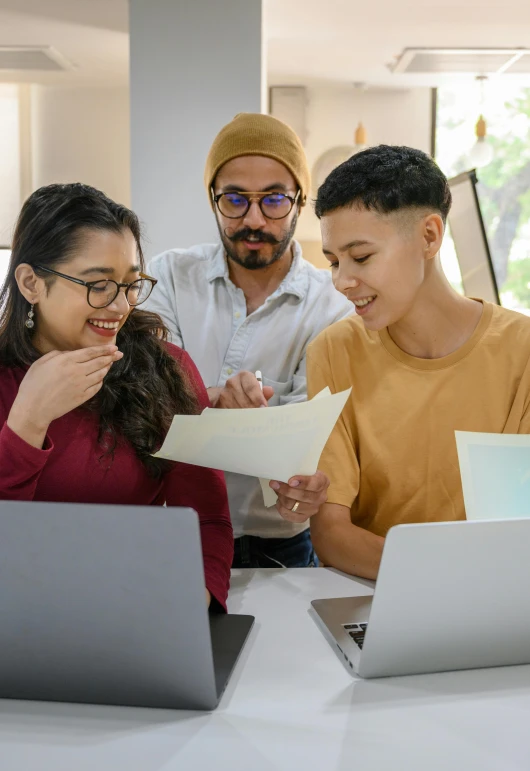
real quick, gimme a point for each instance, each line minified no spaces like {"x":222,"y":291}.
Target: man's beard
{"x":253,"y":260}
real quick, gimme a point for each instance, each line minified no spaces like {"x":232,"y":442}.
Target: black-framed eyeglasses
{"x":104,"y":291}
{"x":273,"y":205}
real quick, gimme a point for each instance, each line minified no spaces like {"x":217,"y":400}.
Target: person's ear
{"x":433,"y":233}
{"x":31,"y":287}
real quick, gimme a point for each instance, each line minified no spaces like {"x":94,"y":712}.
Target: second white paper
{"x":495,"y":471}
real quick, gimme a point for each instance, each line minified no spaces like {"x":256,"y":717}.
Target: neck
{"x":257,"y":285}
{"x":42,"y":345}
{"x":439,"y":322}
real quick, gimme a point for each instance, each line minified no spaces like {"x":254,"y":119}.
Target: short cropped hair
{"x":386,"y":179}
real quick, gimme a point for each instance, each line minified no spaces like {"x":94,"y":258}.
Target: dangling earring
{"x":29,"y":321}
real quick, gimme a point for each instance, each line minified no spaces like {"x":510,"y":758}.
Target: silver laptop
{"x":451,"y":595}
{"x":106,"y":605}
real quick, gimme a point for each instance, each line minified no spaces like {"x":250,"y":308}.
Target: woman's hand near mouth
{"x":55,"y":384}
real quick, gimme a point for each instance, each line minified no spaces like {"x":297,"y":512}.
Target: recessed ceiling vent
{"x":32,"y":58}
{"x":463,"y":61}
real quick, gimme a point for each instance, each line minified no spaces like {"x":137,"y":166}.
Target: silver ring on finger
{"x":295,"y":507}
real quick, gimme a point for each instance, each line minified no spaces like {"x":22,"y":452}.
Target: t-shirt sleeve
{"x":524,"y":425}
{"x":338,"y":460}
{"x":521,"y":404}
{"x":333,"y":307}
{"x":204,"y":490}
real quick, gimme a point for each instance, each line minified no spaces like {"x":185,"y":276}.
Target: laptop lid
{"x":105,"y":604}
{"x":450,"y":595}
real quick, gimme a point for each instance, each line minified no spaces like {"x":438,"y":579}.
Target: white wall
{"x":9,"y":161}
{"x":194,"y":65}
{"x":81,"y":135}
{"x":390,"y":117}
{"x":4,"y":263}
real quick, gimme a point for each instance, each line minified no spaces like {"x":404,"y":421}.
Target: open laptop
{"x":450,"y":595}
{"x":106,"y":605}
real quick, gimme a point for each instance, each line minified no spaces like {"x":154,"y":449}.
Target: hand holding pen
{"x":242,"y":391}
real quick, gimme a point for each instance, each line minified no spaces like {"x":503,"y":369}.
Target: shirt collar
{"x":218,"y":267}
{"x":296,"y":281}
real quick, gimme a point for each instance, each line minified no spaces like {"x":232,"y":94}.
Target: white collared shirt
{"x":206,"y":315}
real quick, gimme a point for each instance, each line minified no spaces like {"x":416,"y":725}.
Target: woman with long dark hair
{"x":88,"y":384}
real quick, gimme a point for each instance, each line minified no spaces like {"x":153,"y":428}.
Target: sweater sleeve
{"x":20,"y":465}
{"x":204,"y":490}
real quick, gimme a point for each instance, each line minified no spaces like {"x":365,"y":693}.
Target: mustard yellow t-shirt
{"x":392,"y":455}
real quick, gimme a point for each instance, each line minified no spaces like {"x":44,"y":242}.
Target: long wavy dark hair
{"x":146,"y":388}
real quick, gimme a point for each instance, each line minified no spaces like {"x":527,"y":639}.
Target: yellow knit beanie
{"x":252,"y":133}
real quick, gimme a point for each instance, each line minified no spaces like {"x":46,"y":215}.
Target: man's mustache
{"x":245,"y":233}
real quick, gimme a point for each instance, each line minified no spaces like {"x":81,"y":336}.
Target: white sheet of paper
{"x":495,"y":471}
{"x":272,"y":443}
{"x":269,"y":496}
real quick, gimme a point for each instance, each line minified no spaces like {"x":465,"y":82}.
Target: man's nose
{"x":254,"y":218}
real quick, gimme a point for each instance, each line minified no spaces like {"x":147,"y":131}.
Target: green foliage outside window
{"x":504,"y":185}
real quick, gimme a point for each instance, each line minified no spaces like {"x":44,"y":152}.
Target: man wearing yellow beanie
{"x":249,"y":303}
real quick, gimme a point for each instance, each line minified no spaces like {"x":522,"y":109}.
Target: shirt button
{"x":229,"y":371}
{"x":237,"y":314}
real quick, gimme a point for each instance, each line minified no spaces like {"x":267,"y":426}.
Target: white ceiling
{"x":91,"y":34}
{"x":350,"y":40}
{"x":309,"y":41}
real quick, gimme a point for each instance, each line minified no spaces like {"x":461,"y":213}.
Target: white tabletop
{"x":291,"y":705}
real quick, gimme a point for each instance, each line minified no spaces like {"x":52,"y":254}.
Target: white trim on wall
{"x":24,"y":117}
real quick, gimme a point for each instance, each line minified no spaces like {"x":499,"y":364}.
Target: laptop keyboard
{"x":356,"y":632}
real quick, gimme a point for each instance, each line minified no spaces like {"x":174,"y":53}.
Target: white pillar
{"x":194,"y":65}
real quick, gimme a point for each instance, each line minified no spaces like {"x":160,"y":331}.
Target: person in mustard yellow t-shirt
{"x":422,"y":360}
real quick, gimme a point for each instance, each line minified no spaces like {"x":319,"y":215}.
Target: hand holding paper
{"x":276,"y":443}
{"x":302,"y":497}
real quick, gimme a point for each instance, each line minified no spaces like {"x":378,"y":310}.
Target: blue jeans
{"x":253,"y":552}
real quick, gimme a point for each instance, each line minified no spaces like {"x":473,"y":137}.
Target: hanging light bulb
{"x":482,"y":152}
{"x":337,"y":155}
{"x":360,"y":137}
